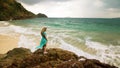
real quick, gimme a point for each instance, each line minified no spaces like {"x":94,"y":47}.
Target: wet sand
{"x":8,"y":43}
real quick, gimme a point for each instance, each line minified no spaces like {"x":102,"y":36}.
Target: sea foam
{"x":77,"y":51}
{"x":27,"y":43}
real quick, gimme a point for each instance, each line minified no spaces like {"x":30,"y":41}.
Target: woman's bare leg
{"x":44,"y":48}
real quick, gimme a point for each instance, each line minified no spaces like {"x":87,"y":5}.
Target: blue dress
{"x":43,"y":42}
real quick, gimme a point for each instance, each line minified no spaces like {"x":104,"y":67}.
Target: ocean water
{"x":95,"y":38}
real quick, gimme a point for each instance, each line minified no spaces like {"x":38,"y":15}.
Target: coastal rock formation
{"x":40,"y":15}
{"x":55,"y":58}
{"x":12,"y":10}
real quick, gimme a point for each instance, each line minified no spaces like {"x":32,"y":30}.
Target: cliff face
{"x":55,"y":58}
{"x":10,"y":9}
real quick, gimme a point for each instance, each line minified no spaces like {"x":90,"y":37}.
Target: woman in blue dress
{"x":44,"y":40}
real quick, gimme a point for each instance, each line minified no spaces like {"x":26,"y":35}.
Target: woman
{"x":43,"y":42}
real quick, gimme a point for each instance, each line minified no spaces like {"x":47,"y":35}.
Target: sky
{"x":74,"y":8}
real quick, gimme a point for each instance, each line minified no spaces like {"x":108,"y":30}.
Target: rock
{"x":93,"y":63}
{"x":51,"y":59}
{"x":55,"y":58}
{"x":1,"y":56}
{"x":12,"y":10}
{"x":18,"y":52}
{"x":40,"y":15}
{"x":14,"y":57}
{"x":70,"y":64}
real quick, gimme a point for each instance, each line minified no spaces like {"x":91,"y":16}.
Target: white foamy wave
{"x":4,"y":29}
{"x":54,"y":41}
{"x":107,"y":54}
{"x":19,"y":29}
{"x":110,"y":55}
{"x":80,"y":40}
{"x":77,"y":51}
{"x":27,"y":43}
{"x":95,"y":45}
{"x":4,"y":23}
{"x":30,"y":31}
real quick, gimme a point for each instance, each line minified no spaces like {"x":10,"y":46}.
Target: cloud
{"x":29,"y":1}
{"x":32,"y":2}
{"x":111,"y":8}
{"x":74,"y":8}
{"x":112,"y":3}
{"x":98,"y":3}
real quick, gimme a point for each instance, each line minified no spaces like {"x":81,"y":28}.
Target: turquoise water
{"x":80,"y":24}
{"x":106,"y":31}
{"x":97,"y":38}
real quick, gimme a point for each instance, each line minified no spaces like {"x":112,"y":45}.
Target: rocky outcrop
{"x":40,"y":15}
{"x":12,"y":10}
{"x":55,"y":58}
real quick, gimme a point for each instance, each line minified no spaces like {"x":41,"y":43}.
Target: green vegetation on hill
{"x":11,"y":9}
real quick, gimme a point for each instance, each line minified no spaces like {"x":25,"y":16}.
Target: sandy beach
{"x":8,"y":43}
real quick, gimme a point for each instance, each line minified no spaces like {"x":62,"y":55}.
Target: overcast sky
{"x":74,"y":8}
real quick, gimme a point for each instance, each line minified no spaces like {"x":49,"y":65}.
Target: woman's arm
{"x":44,"y":36}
